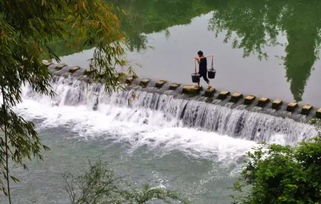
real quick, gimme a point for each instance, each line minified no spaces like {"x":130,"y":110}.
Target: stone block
{"x":174,"y":86}
{"x":249,"y":99}
{"x":235,"y":97}
{"x":263,"y":102}
{"x":223,"y":95}
{"x":60,"y":66}
{"x":306,"y":109}
{"x":129,"y":80}
{"x":74,"y":69}
{"x":276,"y":104}
{"x":292,"y":106}
{"x":101,"y":75}
{"x":160,"y":83}
{"x":46,"y":63}
{"x":209,"y":92}
{"x":121,"y":75}
{"x":89,"y":71}
{"x":318,"y":113}
{"x":144,"y":82}
{"x":191,"y":89}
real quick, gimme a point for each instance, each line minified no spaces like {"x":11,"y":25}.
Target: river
{"x":260,"y":48}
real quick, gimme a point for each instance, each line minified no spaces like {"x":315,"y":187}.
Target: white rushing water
{"x":158,"y":121}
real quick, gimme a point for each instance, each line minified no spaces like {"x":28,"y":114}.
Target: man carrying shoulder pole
{"x":202,"y":61}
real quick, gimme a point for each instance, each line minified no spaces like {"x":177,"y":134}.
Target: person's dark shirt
{"x":203,"y":66}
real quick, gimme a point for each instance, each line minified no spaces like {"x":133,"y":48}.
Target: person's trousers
{"x":204,"y":75}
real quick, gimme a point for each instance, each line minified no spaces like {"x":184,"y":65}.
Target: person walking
{"x":202,"y":61}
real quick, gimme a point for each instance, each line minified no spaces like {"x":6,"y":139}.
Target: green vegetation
{"x":26,"y":29}
{"x":100,"y":185}
{"x":282,"y":174}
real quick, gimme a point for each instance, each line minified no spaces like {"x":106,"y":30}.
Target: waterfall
{"x":165,"y":110}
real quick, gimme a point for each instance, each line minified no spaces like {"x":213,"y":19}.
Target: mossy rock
{"x":191,"y":89}
{"x":129,"y":80}
{"x":292,"y":106}
{"x":121,"y":76}
{"x":276,"y":104}
{"x":60,"y":66}
{"x":235,"y":97}
{"x":46,"y":63}
{"x":74,"y":69}
{"x":89,"y":71}
{"x":209,"y":92}
{"x":101,"y":75}
{"x":263,"y":102}
{"x":160,"y":83}
{"x":174,"y":86}
{"x":223,"y":95}
{"x":306,"y":109}
{"x":144,"y":82}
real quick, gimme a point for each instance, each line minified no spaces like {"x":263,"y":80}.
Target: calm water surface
{"x":266,"y":48}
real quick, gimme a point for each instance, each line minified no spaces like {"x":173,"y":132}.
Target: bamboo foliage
{"x":100,"y":185}
{"x":26,"y":29}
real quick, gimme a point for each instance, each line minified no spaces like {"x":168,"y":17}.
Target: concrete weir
{"x":236,"y":100}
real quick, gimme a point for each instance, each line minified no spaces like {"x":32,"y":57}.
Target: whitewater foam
{"x":159,"y":121}
{"x":90,"y":124}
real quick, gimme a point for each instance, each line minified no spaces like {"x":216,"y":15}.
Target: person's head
{"x":200,"y":53}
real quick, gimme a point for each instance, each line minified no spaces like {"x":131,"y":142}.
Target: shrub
{"x":282,"y":174}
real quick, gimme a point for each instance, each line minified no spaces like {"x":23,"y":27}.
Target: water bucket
{"x":196,"y":77}
{"x":211,"y":73}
